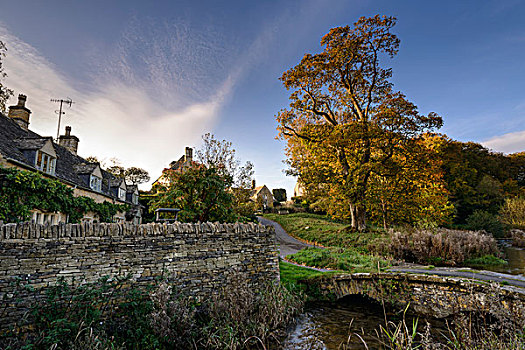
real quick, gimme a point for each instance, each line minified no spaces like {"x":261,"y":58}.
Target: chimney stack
{"x":69,"y":141}
{"x":189,"y":155}
{"x":20,"y":113}
{"x":253,"y":184}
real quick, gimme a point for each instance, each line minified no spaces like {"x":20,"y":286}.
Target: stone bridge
{"x":435,"y":296}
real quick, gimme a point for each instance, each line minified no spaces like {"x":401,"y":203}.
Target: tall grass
{"x":441,"y":246}
{"x":114,"y":314}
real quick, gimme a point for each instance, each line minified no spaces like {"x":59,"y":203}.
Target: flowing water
{"x":516,"y":258}
{"x":328,"y":325}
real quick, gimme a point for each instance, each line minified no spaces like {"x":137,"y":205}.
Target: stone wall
{"x":431,"y":295}
{"x":197,"y":258}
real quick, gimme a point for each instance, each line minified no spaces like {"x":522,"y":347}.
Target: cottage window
{"x":45,"y":163}
{"x":121,"y":194}
{"x":134,"y":198}
{"x":95,"y":183}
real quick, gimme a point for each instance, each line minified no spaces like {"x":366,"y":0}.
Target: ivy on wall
{"x":23,"y":191}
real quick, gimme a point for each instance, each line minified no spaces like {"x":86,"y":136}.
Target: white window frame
{"x":95,"y":183}
{"x":45,"y":162}
{"x":121,"y":194}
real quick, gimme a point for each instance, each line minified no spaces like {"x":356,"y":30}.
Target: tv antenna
{"x":69,"y":102}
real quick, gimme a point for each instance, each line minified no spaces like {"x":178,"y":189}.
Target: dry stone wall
{"x":197,"y":258}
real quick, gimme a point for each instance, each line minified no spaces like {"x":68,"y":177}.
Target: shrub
{"x":482,"y":220}
{"x":512,"y":212}
{"x":518,"y":238}
{"x":231,"y":319}
{"x":441,"y":246}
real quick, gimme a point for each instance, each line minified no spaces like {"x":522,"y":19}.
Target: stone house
{"x":177,"y":166}
{"x":24,"y":149}
{"x":262,"y":196}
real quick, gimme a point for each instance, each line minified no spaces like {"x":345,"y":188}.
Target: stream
{"x":330,"y":325}
{"x":516,"y":258}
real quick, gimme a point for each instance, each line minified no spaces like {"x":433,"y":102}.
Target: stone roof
{"x":257,"y":189}
{"x":115,"y":182}
{"x":10,"y":131}
{"x":33,"y":143}
{"x":85,"y":168}
{"x":70,"y":167}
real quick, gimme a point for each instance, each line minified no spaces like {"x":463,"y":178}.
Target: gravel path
{"x":287,"y":244}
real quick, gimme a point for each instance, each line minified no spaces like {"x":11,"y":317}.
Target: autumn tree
{"x":345,"y":122}
{"x":5,"y":93}
{"x":415,"y":193}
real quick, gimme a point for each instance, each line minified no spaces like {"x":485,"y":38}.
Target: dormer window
{"x":121,"y":194}
{"x":135,"y":198}
{"x":95,"y":183}
{"x":45,"y":162}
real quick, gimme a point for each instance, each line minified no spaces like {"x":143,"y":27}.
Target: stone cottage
{"x":24,"y":149}
{"x":262,"y":196}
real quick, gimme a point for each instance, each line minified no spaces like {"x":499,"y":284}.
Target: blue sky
{"x":150,"y":77}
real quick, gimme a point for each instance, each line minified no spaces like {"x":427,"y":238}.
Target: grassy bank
{"x":319,"y":229}
{"x":363,"y":251}
{"x":348,"y":260}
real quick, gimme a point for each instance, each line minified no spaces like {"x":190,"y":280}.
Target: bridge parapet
{"x":429,"y":295}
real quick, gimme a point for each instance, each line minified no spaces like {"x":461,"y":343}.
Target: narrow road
{"x":287,"y":244}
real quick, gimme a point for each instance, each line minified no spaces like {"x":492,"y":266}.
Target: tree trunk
{"x":383,"y":209}
{"x":358,"y":216}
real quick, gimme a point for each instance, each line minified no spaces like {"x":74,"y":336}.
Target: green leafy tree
{"x":345,"y":122}
{"x":201,"y":194}
{"x":279,"y":194}
{"x":478,"y":179}
{"x":5,"y":93}
{"x":221,"y":156}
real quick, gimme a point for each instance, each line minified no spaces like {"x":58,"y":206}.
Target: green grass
{"x":291,"y":274}
{"x":486,"y":260}
{"x":348,"y":260}
{"x":323,"y":231}
{"x":295,"y":279}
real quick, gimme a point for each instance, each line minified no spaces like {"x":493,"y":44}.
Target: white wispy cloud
{"x":507,"y":143}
